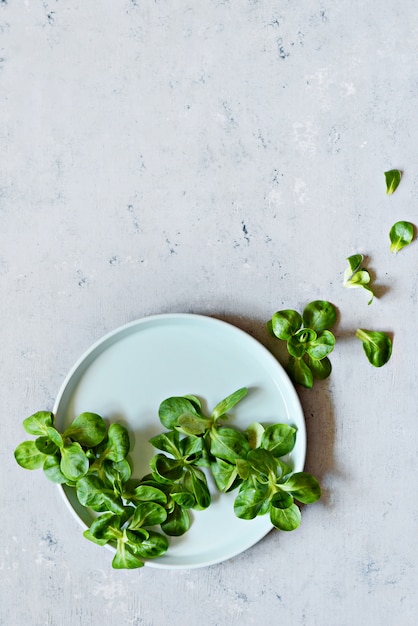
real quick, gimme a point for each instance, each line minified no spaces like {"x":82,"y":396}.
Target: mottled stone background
{"x":221,"y":157}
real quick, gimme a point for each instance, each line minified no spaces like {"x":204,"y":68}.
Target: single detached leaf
{"x":392,"y":178}
{"x":401,"y":234}
{"x":319,"y":315}
{"x":377,"y":346}
{"x":285,"y":323}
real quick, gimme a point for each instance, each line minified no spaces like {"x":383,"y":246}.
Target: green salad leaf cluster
{"x":309,"y":340}
{"x":250,"y":462}
{"x":91,"y":458}
{"x":136,"y":516}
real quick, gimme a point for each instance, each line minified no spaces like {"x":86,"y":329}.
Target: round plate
{"x":127,"y":374}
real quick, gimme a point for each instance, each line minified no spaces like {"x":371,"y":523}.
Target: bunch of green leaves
{"x":92,"y":459}
{"x":251,"y":461}
{"x":308,"y":338}
{"x":357,"y":276}
{"x":175,"y":469}
{"x":65,"y":457}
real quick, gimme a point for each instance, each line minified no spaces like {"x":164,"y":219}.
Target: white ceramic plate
{"x":125,"y":376}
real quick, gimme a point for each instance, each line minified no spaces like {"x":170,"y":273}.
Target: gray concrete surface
{"x":223,"y":158}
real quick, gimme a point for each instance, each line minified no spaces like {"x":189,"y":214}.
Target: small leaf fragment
{"x":357,"y":276}
{"x":393,"y":178}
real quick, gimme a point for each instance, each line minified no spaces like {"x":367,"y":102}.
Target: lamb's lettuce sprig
{"x":92,"y":459}
{"x":308,"y":338}
{"x":251,"y":462}
{"x":357,"y":276}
